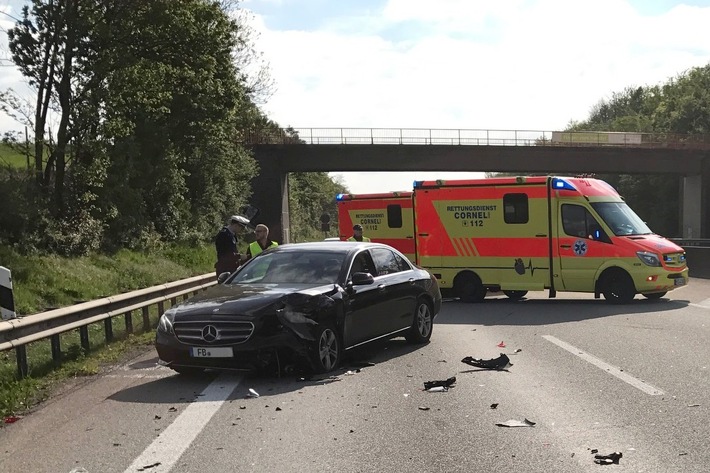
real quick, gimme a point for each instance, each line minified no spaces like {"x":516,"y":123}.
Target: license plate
{"x":679,"y":282}
{"x":211,"y":352}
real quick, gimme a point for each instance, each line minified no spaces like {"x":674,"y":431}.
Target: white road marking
{"x":635,"y":382}
{"x":167,"y":448}
{"x":702,"y":304}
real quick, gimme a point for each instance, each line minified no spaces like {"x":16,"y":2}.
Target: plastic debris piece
{"x":278,"y":409}
{"x":349,"y":373}
{"x":693,"y":405}
{"x":446,"y":383}
{"x":423,"y":408}
{"x":437,"y":389}
{"x":494,"y":405}
{"x":594,"y":450}
{"x":172,"y":409}
{"x":501,"y":344}
{"x":611,"y":459}
{"x":148,"y":467}
{"x":12,"y":419}
{"x":518,"y":350}
{"x":516,"y":423}
{"x":500,"y":363}
{"x":252,"y":393}
{"x":157,"y":417}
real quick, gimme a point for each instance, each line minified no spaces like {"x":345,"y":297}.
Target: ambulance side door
{"x":581,"y":247}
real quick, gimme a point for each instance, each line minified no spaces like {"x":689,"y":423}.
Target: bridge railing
{"x":473,"y":137}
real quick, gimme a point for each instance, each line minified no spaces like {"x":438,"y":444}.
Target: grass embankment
{"x":43,"y":282}
{"x":12,"y":157}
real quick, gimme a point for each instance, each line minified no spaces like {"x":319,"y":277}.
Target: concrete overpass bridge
{"x":523,"y":151}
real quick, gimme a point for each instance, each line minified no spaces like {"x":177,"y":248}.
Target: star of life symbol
{"x":580,"y":248}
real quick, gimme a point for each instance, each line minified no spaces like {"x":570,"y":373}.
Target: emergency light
{"x":561,"y":184}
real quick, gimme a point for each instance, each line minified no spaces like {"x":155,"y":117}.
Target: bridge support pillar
{"x":692,"y":206}
{"x":270,"y":196}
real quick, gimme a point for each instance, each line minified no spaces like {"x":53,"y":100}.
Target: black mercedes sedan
{"x":311,"y":301}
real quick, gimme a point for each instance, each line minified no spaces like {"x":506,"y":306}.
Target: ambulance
{"x":520,"y":234}
{"x":385,"y":218}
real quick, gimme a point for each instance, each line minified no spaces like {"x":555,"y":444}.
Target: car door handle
{"x":566,"y":247}
{"x":381,"y":287}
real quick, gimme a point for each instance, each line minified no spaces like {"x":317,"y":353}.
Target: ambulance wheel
{"x":469,"y":288}
{"x":655,"y":295}
{"x":515,"y":295}
{"x":618,"y":287}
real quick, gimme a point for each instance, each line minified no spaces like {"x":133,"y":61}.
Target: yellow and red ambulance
{"x":385,"y":218}
{"x":519,"y":234}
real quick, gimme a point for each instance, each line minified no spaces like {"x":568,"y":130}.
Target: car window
{"x":362,"y":263}
{"x":385,"y":261}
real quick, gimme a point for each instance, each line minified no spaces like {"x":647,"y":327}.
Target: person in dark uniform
{"x":228,"y":257}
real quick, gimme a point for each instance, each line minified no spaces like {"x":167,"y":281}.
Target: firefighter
{"x":357,"y":234}
{"x":262,"y":241}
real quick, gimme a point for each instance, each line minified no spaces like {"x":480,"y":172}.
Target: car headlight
{"x":648,"y":258}
{"x":165,"y":324}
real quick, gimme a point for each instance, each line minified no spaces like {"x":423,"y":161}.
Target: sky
{"x":459,"y":64}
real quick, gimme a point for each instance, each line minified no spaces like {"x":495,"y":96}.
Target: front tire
{"x":327,"y":350}
{"x":423,"y":324}
{"x":618,"y":287}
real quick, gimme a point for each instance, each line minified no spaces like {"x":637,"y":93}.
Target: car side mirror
{"x":362,"y":279}
{"x":222,"y":277}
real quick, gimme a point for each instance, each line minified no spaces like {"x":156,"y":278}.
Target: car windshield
{"x":621,"y":219}
{"x":292,"y":267}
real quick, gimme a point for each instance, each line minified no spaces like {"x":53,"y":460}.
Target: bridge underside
{"x":275,"y":161}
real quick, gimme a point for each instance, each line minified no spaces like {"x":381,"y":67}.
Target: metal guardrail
{"x":423,"y":136}
{"x":17,"y":333}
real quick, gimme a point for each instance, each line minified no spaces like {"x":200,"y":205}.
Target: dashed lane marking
{"x":169,"y":446}
{"x":627,"y":378}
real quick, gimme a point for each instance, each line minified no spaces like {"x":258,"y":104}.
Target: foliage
{"x":311,"y":195}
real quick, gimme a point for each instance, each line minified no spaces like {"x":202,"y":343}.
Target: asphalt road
{"x":632,"y":379}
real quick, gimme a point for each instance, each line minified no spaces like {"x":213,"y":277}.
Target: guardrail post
{"x":21,"y":356}
{"x":56,"y":349}
{"x":108,"y":328}
{"x":84,"y":338}
{"x":146,"y":319}
{"x":7,"y":302}
{"x":161,"y":308}
{"x":129,"y":321}
{"x":173,"y":301}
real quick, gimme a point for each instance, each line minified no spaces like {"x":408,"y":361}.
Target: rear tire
{"x":326,"y":350}
{"x":422,"y":325}
{"x":515,"y":295}
{"x":655,"y":295}
{"x":618,"y":287}
{"x":469,"y":288}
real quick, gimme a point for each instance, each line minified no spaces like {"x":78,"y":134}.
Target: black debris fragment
{"x":500,"y":363}
{"x":278,"y":408}
{"x":594,"y":450}
{"x":611,"y":459}
{"x":157,"y":417}
{"x":494,"y":405}
{"x":423,"y":408}
{"x":148,"y":467}
{"x":516,"y":423}
{"x":447,"y":383}
{"x":172,"y":409}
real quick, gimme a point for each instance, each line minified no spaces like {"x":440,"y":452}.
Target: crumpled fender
{"x":302,"y":312}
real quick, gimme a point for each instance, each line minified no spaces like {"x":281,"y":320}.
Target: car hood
{"x":246,"y":299}
{"x":655,"y":243}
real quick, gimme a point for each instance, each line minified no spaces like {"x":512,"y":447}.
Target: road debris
{"x":437,"y":389}
{"x":516,"y":423}
{"x":500,"y":363}
{"x":12,"y":419}
{"x":252,"y":393}
{"x":501,"y":344}
{"x":447,"y":383}
{"x":494,"y":405}
{"x":611,"y":459}
{"x":423,"y":408}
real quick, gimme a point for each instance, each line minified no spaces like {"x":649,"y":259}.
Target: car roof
{"x":330,"y":246}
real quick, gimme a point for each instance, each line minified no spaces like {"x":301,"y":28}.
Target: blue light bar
{"x":340,"y":197}
{"x":417,"y":184}
{"x":561,"y":184}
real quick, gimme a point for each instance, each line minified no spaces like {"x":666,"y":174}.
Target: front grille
{"x":674,"y":260}
{"x":229,"y":332}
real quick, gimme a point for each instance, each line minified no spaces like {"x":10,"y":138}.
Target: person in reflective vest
{"x":357,"y":234}
{"x":262,"y":241}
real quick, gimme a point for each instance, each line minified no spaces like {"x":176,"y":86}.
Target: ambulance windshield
{"x":621,"y":219}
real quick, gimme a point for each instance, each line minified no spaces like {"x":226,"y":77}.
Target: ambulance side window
{"x":394,"y":216}
{"x":578,"y":222}
{"x":515,"y":208}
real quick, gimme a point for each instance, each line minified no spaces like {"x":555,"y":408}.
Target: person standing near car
{"x":262,"y":241}
{"x":357,"y":234}
{"x":228,"y":257}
